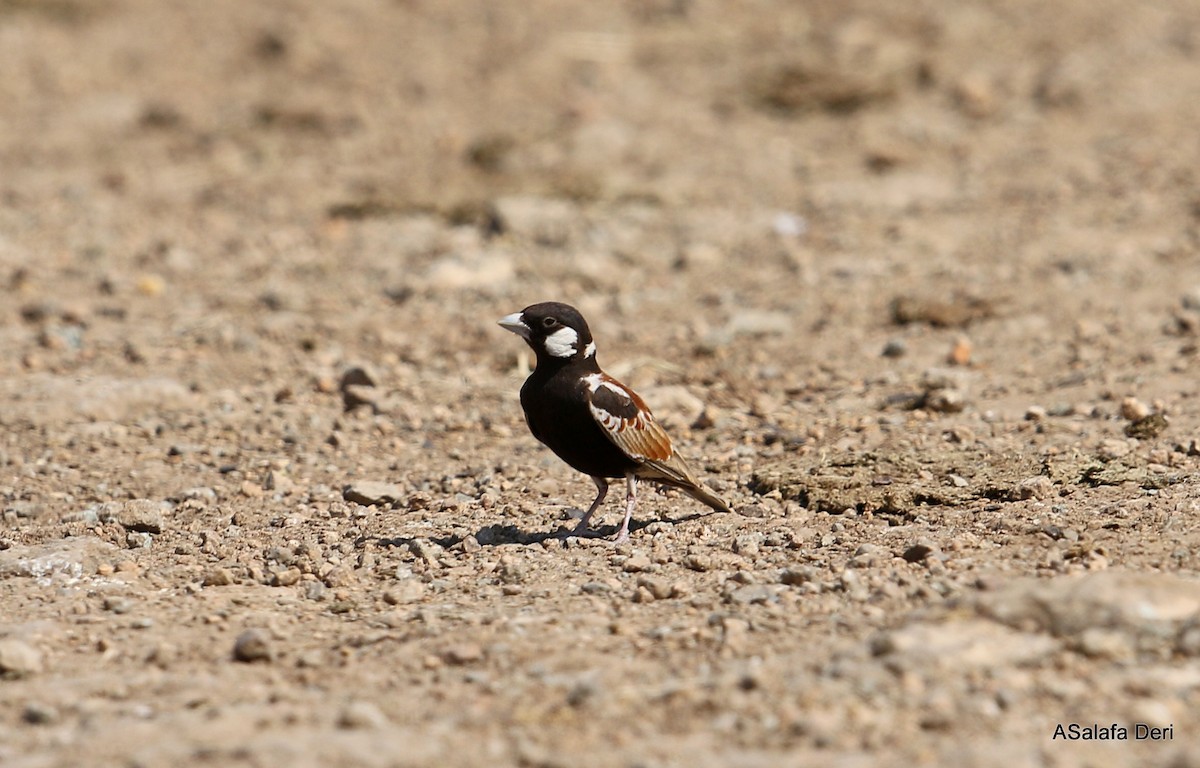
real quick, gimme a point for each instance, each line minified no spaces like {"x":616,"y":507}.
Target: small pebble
{"x":142,"y":515}
{"x":975,"y":95}
{"x":1114,"y":449}
{"x":1133,"y":409}
{"x":659,"y":589}
{"x":1147,"y":427}
{"x":428,"y":551}
{"x":961,"y":435}
{"x":373,"y":493}
{"x":797,"y":575}
{"x":253,"y":645}
{"x":200,"y":493}
{"x":698,"y":562}
{"x":19,"y":659}
{"x":150,"y":285}
{"x":356,"y":396}
{"x":734,"y":632}
{"x":358,"y":376}
{"x":636,"y":563}
{"x":340,"y":576}
{"x":754,"y":510}
{"x":217,"y":577}
{"x":287,"y":578}
{"x":595,"y":588}
{"x":118,"y":605}
{"x":361,"y":715}
{"x":748,"y":544}
{"x":946,"y":401}
{"x":138,"y":540}
{"x":960,"y":353}
{"x":1040,"y":488}
{"x":37,"y":713}
{"x":1096,"y":642}
{"x":1188,"y":641}
{"x":467,"y":653}
{"x":406,"y":591}
{"x":853,"y":586}
{"x":917,"y":552}
{"x":748,"y":595}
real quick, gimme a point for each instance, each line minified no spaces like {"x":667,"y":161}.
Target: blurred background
{"x":935,"y":260}
{"x":367,"y":160}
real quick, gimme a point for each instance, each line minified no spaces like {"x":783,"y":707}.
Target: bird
{"x":593,"y":422}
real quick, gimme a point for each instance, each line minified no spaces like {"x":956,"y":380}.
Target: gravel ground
{"x":915,"y":286}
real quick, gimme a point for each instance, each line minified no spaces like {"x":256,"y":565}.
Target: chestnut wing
{"x":624,"y":418}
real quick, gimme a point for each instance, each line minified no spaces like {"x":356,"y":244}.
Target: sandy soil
{"x":916,"y":286}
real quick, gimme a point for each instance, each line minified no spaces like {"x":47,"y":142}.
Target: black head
{"x":554,"y":330}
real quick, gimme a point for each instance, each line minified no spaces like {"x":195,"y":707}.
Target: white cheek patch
{"x":562,"y":342}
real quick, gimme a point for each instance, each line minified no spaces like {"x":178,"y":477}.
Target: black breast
{"x":556,"y":409}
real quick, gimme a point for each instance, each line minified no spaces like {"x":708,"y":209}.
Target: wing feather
{"x":626,"y":420}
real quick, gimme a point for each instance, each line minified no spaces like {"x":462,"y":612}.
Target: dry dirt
{"x":915,"y":285}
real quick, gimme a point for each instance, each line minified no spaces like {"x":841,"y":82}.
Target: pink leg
{"x":630,"y":505}
{"x":601,"y":492}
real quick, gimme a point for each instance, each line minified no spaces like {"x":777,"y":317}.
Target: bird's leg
{"x":630,"y":505}
{"x":601,"y":492}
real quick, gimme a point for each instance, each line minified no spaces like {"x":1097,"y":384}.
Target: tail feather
{"x":705,"y":496}
{"x":675,"y":473}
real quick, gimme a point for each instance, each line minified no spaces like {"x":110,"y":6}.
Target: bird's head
{"x":555,"y":331}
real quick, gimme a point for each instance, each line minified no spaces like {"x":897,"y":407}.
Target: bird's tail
{"x":675,"y":472}
{"x":705,"y":496}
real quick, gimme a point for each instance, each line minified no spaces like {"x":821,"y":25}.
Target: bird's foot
{"x":621,"y":537}
{"x":581,"y":531}
{"x":569,"y":514}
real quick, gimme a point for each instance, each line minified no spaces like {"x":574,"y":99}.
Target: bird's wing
{"x":625,"y":420}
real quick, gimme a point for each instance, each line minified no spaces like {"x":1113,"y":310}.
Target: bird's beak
{"x":515,"y":324}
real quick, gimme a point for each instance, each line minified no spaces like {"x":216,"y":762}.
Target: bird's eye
{"x":549,"y":322}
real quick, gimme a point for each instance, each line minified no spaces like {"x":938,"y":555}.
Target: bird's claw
{"x":580,"y":531}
